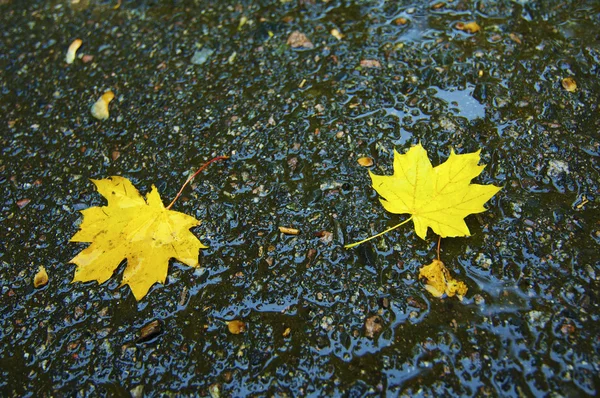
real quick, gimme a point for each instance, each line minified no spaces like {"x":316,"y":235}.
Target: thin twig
{"x":438,"y":248}
{"x":205,"y":165}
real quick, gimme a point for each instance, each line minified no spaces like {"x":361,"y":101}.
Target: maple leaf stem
{"x":438,"y":247}
{"x":350,"y":246}
{"x":205,"y":165}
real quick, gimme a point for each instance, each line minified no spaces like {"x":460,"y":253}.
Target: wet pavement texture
{"x":198,"y":79}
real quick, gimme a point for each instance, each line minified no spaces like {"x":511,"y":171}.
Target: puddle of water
{"x":461,"y":102}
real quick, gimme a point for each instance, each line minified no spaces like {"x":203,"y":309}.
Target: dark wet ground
{"x":294,"y":122}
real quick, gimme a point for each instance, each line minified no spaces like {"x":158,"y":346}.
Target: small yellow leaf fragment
{"x":469,"y":27}
{"x":41,"y":278}
{"x":336,"y":33}
{"x":289,"y":231}
{"x":365,"y":161}
{"x":236,"y":327}
{"x":231,"y":58}
{"x":569,"y":84}
{"x":472,"y":27}
{"x":440,"y":282}
{"x":100,"y":108}
{"x":72,"y":51}
{"x":243,"y":21}
{"x":286,"y":332}
{"x":436,"y":280}
{"x":457,"y":288}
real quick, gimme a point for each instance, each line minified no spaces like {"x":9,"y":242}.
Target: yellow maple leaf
{"x":140,"y":230}
{"x":440,"y":282}
{"x":437,"y":197}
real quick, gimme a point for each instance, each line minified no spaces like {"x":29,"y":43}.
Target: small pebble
{"x":200,"y":57}
{"x":370,"y":63}
{"x":23,"y":202}
{"x":215,"y":390}
{"x":385,"y":302}
{"x":137,"y":391}
{"x":299,"y":40}
{"x":150,"y":331}
{"x":325,"y":236}
{"x":373,"y":326}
